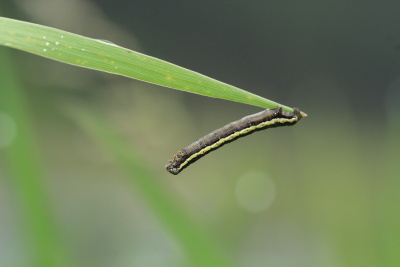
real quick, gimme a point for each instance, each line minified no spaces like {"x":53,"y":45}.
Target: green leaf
{"x":199,"y":247}
{"x":105,"y":56}
{"x":25,"y":172}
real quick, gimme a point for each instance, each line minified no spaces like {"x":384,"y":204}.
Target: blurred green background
{"x":82,"y":153}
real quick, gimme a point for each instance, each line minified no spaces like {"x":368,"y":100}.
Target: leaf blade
{"x":104,"y":56}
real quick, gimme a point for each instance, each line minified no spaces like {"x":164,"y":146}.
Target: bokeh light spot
{"x":255,"y":192}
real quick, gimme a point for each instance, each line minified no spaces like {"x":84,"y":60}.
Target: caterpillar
{"x":268,"y":118}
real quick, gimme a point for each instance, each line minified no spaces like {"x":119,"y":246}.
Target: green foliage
{"x":105,"y":56}
{"x":198,"y":246}
{"x":25,"y":169}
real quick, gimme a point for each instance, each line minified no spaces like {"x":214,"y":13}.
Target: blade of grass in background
{"x":26,"y":173}
{"x":104,"y":56}
{"x":198,"y":247}
{"x":388,"y":195}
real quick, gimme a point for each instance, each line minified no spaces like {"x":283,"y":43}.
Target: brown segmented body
{"x":269,"y":118}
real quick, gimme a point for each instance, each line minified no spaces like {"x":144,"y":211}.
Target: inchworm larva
{"x":269,"y":118}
